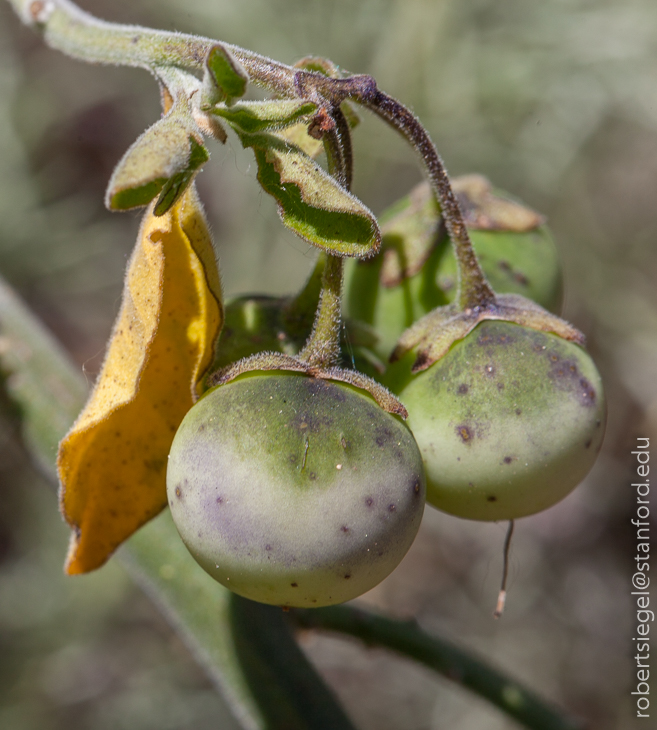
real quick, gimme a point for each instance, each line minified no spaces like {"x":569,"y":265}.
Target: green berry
{"x":508,"y":422}
{"x":295,"y":491}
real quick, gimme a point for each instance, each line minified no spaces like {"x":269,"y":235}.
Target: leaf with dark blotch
{"x":310,"y":202}
{"x":262,"y":116}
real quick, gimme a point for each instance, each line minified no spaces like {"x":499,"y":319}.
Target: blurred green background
{"x":556,"y":102}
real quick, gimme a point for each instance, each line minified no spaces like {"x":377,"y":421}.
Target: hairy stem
{"x":67,"y":28}
{"x":408,"y":639}
{"x":473,"y":289}
{"x":323,"y":346}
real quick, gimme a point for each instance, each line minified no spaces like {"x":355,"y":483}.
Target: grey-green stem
{"x":323,"y":346}
{"x":67,"y":28}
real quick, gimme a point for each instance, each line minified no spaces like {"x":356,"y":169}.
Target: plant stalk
{"x":407,"y":639}
{"x":323,"y":346}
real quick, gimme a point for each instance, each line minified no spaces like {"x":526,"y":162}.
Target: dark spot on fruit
{"x":344,"y":528}
{"x":201,"y":427}
{"x":587,"y":445}
{"x":391,"y":508}
{"x":294,"y":585}
{"x":314,"y":600}
{"x":484,"y":339}
{"x":267,"y":548}
{"x":463,"y":389}
{"x":220,"y":500}
{"x":518,"y":411}
{"x":500,"y":386}
{"x":369,"y":501}
{"x":598,"y":423}
{"x":292,"y":458}
{"x":464,"y":433}
{"x":521,"y":278}
{"x":490,"y":370}
{"x":508,"y":459}
{"x":347,"y":576}
{"x":178,"y":492}
{"x":343,"y":441}
{"x":312,"y":475}
{"x":586,"y":394}
{"x":380,"y":441}
{"x":491,"y":498}
{"x":416,"y":487}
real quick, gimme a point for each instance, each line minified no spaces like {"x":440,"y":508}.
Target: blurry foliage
{"x":553,"y":100}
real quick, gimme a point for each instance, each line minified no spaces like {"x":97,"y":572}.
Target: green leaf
{"x":225,"y":79}
{"x":260,"y":116}
{"x":310,"y":202}
{"x":163,"y":160}
{"x":176,"y":185}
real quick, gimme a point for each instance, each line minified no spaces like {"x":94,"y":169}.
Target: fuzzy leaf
{"x":112,"y":463}
{"x":225,"y":79}
{"x":310,"y":202}
{"x":162,"y":161}
{"x":260,"y":116}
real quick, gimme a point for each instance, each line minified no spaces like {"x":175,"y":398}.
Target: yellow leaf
{"x":112,"y":463}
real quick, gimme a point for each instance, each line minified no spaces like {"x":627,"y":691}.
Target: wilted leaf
{"x":162,"y":161}
{"x":112,"y":464}
{"x":485,"y":210}
{"x":260,"y":116}
{"x":410,"y":232}
{"x":409,"y":229}
{"x":310,"y":202}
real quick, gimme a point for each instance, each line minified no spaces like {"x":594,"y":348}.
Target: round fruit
{"x":508,"y":422}
{"x":295,"y":491}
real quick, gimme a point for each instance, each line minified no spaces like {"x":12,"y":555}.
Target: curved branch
{"x":408,"y":639}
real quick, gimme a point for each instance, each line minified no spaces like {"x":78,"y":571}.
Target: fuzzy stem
{"x":473,"y":289}
{"x":323,"y":346}
{"x":67,"y":28}
{"x":76,"y":33}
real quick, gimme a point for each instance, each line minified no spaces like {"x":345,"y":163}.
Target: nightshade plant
{"x":292,"y":479}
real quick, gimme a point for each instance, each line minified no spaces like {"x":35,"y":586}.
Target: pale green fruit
{"x":295,"y":491}
{"x":508,"y":422}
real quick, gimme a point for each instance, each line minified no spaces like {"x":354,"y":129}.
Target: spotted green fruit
{"x":508,"y":422}
{"x":295,"y":491}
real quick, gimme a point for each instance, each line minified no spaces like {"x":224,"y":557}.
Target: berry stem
{"x":76,"y":33}
{"x":323,"y":346}
{"x":473,"y":291}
